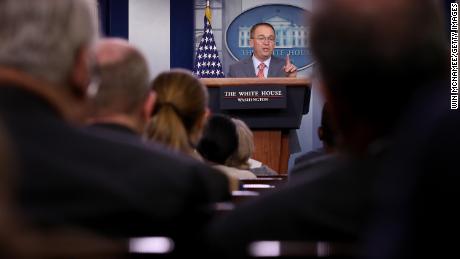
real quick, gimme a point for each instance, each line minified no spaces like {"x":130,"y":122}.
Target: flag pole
{"x":207,"y":61}
{"x":208,"y":11}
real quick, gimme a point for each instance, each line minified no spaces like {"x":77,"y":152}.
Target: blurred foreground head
{"x":240,"y":158}
{"x":124,"y":95}
{"x":219,"y":140}
{"x":124,"y":78}
{"x":5,"y":174}
{"x":373,"y":55}
{"x":50,"y":42}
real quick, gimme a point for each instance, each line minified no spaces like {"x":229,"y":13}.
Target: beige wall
{"x":149,"y":29}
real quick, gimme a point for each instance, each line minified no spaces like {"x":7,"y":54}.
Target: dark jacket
{"x":331,"y":205}
{"x":109,"y":182}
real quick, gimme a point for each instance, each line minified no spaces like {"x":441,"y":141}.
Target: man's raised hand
{"x":289,"y":68}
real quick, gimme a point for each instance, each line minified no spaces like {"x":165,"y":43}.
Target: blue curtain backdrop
{"x":114,"y":15}
{"x":114,"y":18}
{"x":182,"y":34}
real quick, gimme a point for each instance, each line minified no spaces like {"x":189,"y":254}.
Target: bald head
{"x":111,"y":51}
{"x":124,"y":78}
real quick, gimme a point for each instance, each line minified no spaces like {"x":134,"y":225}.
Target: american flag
{"x":207,"y":62}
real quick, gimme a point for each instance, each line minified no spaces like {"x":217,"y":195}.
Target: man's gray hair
{"x":124,"y":84}
{"x":42,"y":37}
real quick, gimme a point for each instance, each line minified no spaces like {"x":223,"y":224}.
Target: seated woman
{"x":241,"y":158}
{"x":180,"y":112}
{"x":219,"y":142}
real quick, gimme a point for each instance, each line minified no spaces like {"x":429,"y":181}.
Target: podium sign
{"x":284,"y":114}
{"x":271,"y":120}
{"x":253,"y":97}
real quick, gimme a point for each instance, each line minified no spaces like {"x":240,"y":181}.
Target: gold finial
{"x":208,"y":11}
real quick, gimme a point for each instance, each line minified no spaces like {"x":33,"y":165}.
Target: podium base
{"x":272,"y":149}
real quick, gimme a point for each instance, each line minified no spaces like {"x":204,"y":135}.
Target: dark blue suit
{"x":418,"y":190}
{"x":245,"y":68}
{"x":330,"y":204}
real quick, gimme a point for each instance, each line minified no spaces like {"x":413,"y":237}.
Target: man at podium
{"x":262,"y":63}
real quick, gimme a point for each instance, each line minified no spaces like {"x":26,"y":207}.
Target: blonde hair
{"x":240,"y":158}
{"x":181,"y":104}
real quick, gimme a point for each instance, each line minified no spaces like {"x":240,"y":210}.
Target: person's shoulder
{"x":277,"y":59}
{"x":276,"y":67}
{"x":309,"y":155}
{"x":238,"y":69}
{"x":158,"y":163}
{"x":235,"y":172}
{"x":328,"y":169}
{"x":241,"y":62}
{"x":145,"y":153}
{"x":263,"y":170}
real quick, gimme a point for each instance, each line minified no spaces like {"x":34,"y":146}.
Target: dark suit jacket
{"x":108,"y":182}
{"x":419,"y":186}
{"x":245,"y":68}
{"x":312,"y":165}
{"x":214,"y":183}
{"x":309,"y":155}
{"x":333,"y":206}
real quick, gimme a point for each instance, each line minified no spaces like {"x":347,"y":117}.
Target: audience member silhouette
{"x":21,"y":240}
{"x":7,"y":227}
{"x":306,"y":163}
{"x":219,"y":142}
{"x":180,"y":111}
{"x":242,"y":157}
{"x":124,"y":99}
{"x":418,"y":187}
{"x":326,"y":134}
{"x":368,"y":47}
{"x":68,"y":176}
{"x":124,"y":102}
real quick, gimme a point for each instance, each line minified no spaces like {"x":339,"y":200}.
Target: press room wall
{"x":149,"y":29}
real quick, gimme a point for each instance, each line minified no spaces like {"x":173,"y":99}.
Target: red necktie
{"x":261,"y":67}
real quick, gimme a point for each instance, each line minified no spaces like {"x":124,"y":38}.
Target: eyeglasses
{"x":263,"y":39}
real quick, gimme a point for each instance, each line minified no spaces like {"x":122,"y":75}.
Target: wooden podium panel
{"x":272,"y":149}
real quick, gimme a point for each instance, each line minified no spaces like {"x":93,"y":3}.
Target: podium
{"x":271,"y":126}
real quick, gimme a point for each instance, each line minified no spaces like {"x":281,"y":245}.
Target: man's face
{"x":263,"y":42}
